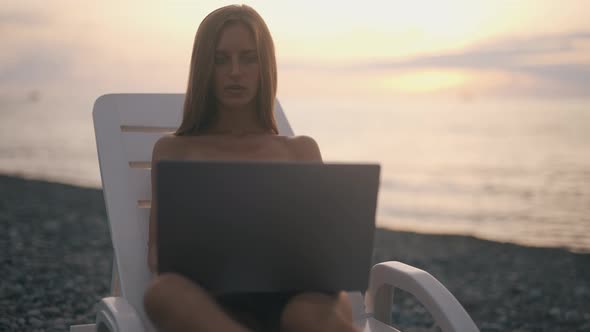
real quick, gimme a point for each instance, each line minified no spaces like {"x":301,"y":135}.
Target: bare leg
{"x":315,"y":312}
{"x":175,"y":303}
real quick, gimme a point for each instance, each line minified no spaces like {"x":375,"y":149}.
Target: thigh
{"x":175,"y":303}
{"x":313,"y":311}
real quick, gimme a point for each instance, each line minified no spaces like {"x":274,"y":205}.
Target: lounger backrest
{"x":126,"y":128}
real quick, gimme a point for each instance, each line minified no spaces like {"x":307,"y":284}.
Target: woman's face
{"x":236,"y":72}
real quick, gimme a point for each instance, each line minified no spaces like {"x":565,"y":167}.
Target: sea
{"x":510,"y":170}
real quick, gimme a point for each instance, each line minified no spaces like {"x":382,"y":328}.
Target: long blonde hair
{"x":199,"y":103}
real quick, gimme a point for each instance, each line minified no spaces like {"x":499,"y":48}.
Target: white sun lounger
{"x":126,"y":127}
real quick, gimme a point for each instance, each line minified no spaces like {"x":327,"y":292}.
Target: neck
{"x":236,"y":121}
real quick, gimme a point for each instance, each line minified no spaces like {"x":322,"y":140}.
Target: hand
{"x":174,"y":303}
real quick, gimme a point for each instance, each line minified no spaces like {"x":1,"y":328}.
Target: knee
{"x":318,"y":312}
{"x":162,"y":291}
{"x":296,"y":315}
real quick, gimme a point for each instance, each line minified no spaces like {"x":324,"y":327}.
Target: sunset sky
{"x":390,"y":47}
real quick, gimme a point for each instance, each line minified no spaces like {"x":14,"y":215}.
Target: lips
{"x":234,"y":87}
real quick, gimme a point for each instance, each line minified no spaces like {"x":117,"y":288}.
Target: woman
{"x":228,"y":115}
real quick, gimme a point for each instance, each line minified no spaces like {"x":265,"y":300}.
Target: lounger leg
{"x":383,"y":303}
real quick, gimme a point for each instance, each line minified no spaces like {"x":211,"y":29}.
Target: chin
{"x":236,"y":102}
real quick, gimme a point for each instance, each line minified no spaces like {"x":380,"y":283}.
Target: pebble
{"x":581,"y":291}
{"x":52,"y":311}
{"x":35,"y":322}
{"x":535,"y":293}
{"x":59,"y":323}
{"x":491,"y":327}
{"x":51,"y":225}
{"x":69,"y":285}
{"x":572,"y":316}
{"x":34,"y":312}
{"x":18,"y":288}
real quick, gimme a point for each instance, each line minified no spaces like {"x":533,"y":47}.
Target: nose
{"x":235,"y":68}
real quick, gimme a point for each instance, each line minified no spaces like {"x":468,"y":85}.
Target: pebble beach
{"x":56,"y":258}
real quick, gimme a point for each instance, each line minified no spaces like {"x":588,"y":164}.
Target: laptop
{"x":257,"y":227}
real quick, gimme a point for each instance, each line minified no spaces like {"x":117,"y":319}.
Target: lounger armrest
{"x":117,"y":315}
{"x":446,"y":311}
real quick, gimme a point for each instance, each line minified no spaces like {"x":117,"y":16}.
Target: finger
{"x":175,"y":303}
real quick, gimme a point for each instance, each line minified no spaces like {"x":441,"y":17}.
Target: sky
{"x":461,"y":48}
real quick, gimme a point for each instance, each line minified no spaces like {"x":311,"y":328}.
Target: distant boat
{"x":34,"y":96}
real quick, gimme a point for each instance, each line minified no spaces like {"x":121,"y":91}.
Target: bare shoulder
{"x":305,"y":148}
{"x":165,"y":146}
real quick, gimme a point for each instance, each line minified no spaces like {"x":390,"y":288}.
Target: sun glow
{"x":146,"y":46}
{"x":425,"y":81}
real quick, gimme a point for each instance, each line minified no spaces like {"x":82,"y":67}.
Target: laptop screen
{"x":267,"y":226}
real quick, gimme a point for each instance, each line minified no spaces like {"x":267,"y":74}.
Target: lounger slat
{"x":143,"y":216}
{"x":144,"y":204}
{"x":161,"y":110}
{"x":139,"y":146}
{"x":147,"y":129}
{"x":140,"y":184}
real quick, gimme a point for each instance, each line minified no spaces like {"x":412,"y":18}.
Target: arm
{"x":161,"y":149}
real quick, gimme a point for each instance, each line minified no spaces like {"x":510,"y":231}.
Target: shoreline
{"x":381,"y":224}
{"x":56,"y":256}
{"x":573,"y":250}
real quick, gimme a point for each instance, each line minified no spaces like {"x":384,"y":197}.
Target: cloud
{"x":37,"y":65}
{"x":22,"y":18}
{"x":502,"y":54}
{"x":511,"y":56}
{"x":536,"y":44}
{"x":565,"y":69}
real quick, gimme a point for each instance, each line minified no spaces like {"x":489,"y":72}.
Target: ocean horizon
{"x":512,"y":170}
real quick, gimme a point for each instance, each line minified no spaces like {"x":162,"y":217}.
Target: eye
{"x":220,"y":59}
{"x":249,"y":59}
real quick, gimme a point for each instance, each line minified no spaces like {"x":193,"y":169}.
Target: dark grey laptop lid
{"x":267,"y":226}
